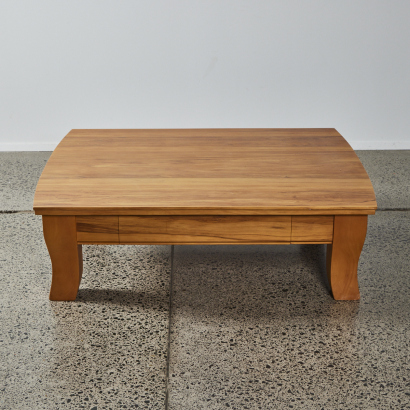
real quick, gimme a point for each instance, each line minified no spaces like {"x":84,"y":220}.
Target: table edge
{"x":205,"y":211}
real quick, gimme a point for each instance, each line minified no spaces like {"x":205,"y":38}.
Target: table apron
{"x":204,"y":229}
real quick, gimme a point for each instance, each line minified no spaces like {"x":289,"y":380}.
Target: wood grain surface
{"x":311,"y":229}
{"x":97,"y":229}
{"x":343,"y":256}
{"x":204,"y":172}
{"x":65,"y":254}
{"x":204,"y":229}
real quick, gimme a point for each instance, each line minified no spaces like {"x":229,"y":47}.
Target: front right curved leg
{"x":60,"y":235}
{"x":349,"y":233}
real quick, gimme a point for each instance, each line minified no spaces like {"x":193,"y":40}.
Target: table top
{"x":204,"y":172}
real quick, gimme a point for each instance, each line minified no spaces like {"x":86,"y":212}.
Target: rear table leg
{"x":343,"y":255}
{"x":60,"y":235}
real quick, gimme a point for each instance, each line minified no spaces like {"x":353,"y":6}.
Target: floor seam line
{"x":392,"y":209}
{"x":16,"y":212}
{"x":171,"y":281}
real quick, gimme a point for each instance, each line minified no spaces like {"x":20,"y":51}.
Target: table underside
{"x":344,"y":236}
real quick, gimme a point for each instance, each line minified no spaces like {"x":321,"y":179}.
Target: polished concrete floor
{"x":205,"y":327}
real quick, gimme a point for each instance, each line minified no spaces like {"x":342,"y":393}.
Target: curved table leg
{"x":349,"y":233}
{"x":60,"y":235}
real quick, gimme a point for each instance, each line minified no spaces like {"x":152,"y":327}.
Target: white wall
{"x":213,"y":63}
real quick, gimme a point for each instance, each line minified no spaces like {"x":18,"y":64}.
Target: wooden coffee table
{"x":204,"y":186}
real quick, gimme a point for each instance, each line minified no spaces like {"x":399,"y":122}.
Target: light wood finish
{"x":312,"y":229}
{"x":97,"y":229}
{"x":208,"y":186}
{"x":204,"y":229}
{"x":66,"y":256}
{"x":204,"y":172}
{"x":343,"y":256}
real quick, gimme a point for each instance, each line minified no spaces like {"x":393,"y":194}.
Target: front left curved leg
{"x":60,"y":235}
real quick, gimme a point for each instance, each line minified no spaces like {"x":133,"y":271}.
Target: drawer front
{"x":204,"y":229}
{"x":312,"y":229}
{"x":97,"y":229}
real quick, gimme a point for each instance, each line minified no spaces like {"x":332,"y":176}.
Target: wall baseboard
{"x":381,"y":145}
{"x":19,"y":146}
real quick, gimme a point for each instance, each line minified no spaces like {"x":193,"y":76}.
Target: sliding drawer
{"x":204,"y":229}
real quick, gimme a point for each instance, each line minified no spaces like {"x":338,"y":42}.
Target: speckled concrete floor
{"x":106,"y":350}
{"x":249,"y":326}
